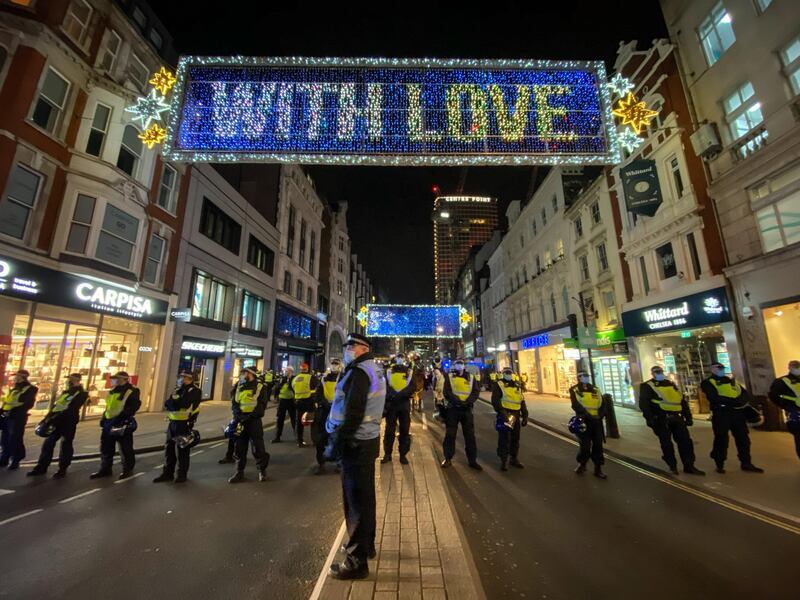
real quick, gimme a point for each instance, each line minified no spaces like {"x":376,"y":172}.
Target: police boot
{"x":515,"y":463}
{"x":237,"y":477}
{"x":36,"y":471}
{"x":101,"y":473}
{"x":181,"y":478}
{"x":720,"y":467}
{"x":446,"y":463}
{"x":125,"y":475}
{"x":387,"y":458}
{"x":750,"y":467}
{"x":475,"y":466}
{"x":673,"y":469}
{"x":226,"y":460}
{"x":60,"y":474}
{"x":345,"y":571}
{"x":692,"y":470}
{"x":262,"y":475}
{"x":580,"y":469}
{"x":13,"y":466}
{"x":403,"y":459}
{"x":503,"y":464}
{"x":320,"y":470}
{"x":598,"y":472}
{"x":163,"y":477}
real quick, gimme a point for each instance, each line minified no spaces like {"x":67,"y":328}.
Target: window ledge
{"x":253,"y":332}
{"x":222,"y":326}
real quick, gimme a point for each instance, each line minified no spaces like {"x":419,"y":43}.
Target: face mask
{"x":349,"y":356}
{"x":718,"y":372}
{"x":114,"y":382}
{"x":658,"y":376}
{"x":584,"y":379}
{"x":507,"y":376}
{"x":180,"y":381}
{"x":398,"y":361}
{"x":795,"y":372}
{"x":336,"y":368}
{"x":459,"y":367}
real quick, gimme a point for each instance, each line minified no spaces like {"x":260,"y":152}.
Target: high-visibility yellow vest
{"x":399,"y":379}
{"x":268,"y":377}
{"x":62,"y":402}
{"x":669,"y":397}
{"x":795,"y":387}
{"x":248,"y":399}
{"x":329,"y":389}
{"x":301,"y":384}
{"x":591,"y":401}
{"x":286,"y":392}
{"x":512,"y":396}
{"x":182,"y":414}
{"x":11,"y":399}
{"x":492,"y":376}
{"x":461,"y":387}
{"x":728,"y":390}
{"x":115,"y":403}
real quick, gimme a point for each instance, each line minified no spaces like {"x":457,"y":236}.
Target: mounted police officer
{"x":183,"y":406}
{"x":730,"y":408}
{"x":118,"y":425}
{"x":323,"y":399}
{"x":785,"y":392}
{"x":512,"y":415}
{"x":248,"y":405}
{"x":667,"y":413}
{"x":397,"y":410}
{"x":19,"y":399}
{"x":588,"y":406}
{"x":461,"y":391}
{"x":284,"y":394}
{"x":354,"y":427}
{"x":304,"y":385}
{"x":61,"y":422}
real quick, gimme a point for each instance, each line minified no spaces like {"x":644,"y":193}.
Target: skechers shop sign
{"x":697,"y":310}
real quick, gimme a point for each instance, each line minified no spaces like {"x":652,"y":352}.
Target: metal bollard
{"x":612,"y":429}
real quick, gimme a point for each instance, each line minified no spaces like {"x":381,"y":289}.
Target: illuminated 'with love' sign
{"x":391,"y":111}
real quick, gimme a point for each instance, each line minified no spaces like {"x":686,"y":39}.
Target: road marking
{"x":22,"y":516}
{"x":196,"y":452}
{"x":4,"y":492}
{"x":129,"y":478}
{"x":328,"y":562}
{"x":686,"y":488}
{"x":71,"y":498}
{"x":218,"y":444}
{"x":424,"y":422}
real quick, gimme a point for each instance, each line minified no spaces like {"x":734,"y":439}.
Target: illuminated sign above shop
{"x":202,"y":347}
{"x":536,"y":341}
{"x":697,"y":310}
{"x":247,"y":351}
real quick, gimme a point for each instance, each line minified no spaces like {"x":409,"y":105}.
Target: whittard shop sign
{"x":19,"y":279}
{"x":697,"y":310}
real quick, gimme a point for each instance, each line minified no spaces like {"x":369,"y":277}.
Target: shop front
{"x":683,"y":336}
{"x":202,"y":357}
{"x":545,"y":361}
{"x":245,"y":356}
{"x":54,"y":323}
{"x":611,"y":364}
{"x":297,"y":340}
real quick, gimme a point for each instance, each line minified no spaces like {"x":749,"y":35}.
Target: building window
{"x":763,"y":5}
{"x":779,"y":223}
{"x":117,"y":238}
{"x":139,"y":17}
{"x":611,"y":306}
{"x":790,"y":57}
{"x":716,"y":33}
{"x":555,"y":204}
{"x":110,"y":51}
{"x":309,"y":299}
{"x":583,"y":266}
{"x":99,"y":128}
{"x":667,"y":267}
{"x":595,"y":211}
{"x":677,"y":179}
{"x":255,"y":313}
{"x":578,"y":228}
{"x":521,"y":241}
{"x":260,"y":256}
{"x":155,"y":258}
{"x":138,"y":72}
{"x":219,"y":227}
{"x":553,"y":307}
{"x":166,"y":188}
{"x":302,"y":256}
{"x":544,"y":217}
{"x":742,"y":111}
{"x":312,"y":254}
{"x":560,"y":248}
{"x":130,"y":151}
{"x":602,"y":257}
{"x":538,"y":264}
{"x":533,"y":226}
{"x":17,"y":205}
{"x":694,"y":255}
{"x":212,"y":298}
{"x":81,"y":224}
{"x":340,"y":265}
{"x":290,"y":233}
{"x":76,"y":22}
{"x":341,"y":244}
{"x":645,"y":280}
{"x":156,"y":38}
{"x":287,"y":282}
{"x":52,"y":100}
{"x":339,"y":287}
{"x":298,"y":292}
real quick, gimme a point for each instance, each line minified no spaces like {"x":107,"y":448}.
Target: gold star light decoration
{"x":363,"y":316}
{"x":633,"y":113}
{"x":148,"y":109}
{"x":155,"y":134}
{"x":464,"y":317}
{"x":163,"y":81}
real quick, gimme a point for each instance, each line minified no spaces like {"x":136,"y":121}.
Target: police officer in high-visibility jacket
{"x":284,"y":394}
{"x":121,"y":405}
{"x":461,"y":391}
{"x":268,"y":378}
{"x":17,"y":401}
{"x":729,"y":402}
{"x":249,"y":403}
{"x":304,"y":384}
{"x":785,"y":392}
{"x":512,"y":413}
{"x":667,"y":413}
{"x":63,"y":419}
{"x":183,"y":406}
{"x":400,"y":386}
{"x":354,"y":427}
{"x":323,"y":399}
{"x":588,"y":405}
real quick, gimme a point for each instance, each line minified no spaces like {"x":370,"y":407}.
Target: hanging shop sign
{"x":607,"y":339}
{"x":180,"y":314}
{"x":20,"y":279}
{"x":389,"y":111}
{"x":698,"y":310}
{"x":203,"y":347}
{"x":536,"y":341}
{"x":247,"y":351}
{"x":641,"y":186}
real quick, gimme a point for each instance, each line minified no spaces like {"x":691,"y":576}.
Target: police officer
{"x":397,"y":409}
{"x":183,"y":406}
{"x":785,"y":392}
{"x":284,"y":395}
{"x":63,"y":418}
{"x":19,"y":399}
{"x":354,"y":427}
{"x":588,"y":405}
{"x":461,"y":390}
{"x":667,"y":413}
{"x":268,"y":378}
{"x":729,"y":409}
{"x":512,"y":413}
{"x":249,"y":403}
{"x":121,"y":405}
{"x":323,"y":398}
{"x":304,"y":384}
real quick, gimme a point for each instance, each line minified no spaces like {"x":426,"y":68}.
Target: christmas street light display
{"x":414,"y":320}
{"x":148,"y":109}
{"x":633,"y":113}
{"x":153,"y":135}
{"x":163,"y":81}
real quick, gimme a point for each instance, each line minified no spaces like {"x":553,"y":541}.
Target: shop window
{"x":166,"y":188}
{"x":298,"y":292}
{"x":544,"y":217}
{"x":290,"y":233}
{"x":742,"y":111}
{"x":290,"y":323}
{"x":212,"y":299}
{"x":302,"y":255}
{"x":98,"y":130}
{"x":155,"y":259}
{"x":261,"y":257}
{"x":677,"y":179}
{"x":130,"y":151}
{"x":287,"y":282}
{"x":694,"y":255}
{"x":312,"y":254}
{"x":595,"y":211}
{"x":76,"y":22}
{"x":602,"y":257}
{"x":583,"y":265}
{"x":611,"y":306}
{"x":110,"y":51}
{"x":138,"y":72}
{"x":309,"y":298}
{"x":790,"y":58}
{"x":255,"y":313}
{"x":716,"y":33}
{"x":17,"y":204}
{"x":578,"y":228}
{"x":645,"y":280}
{"x":216,"y":225}
{"x":667,"y":266}
{"x":117,"y":238}
{"x":52,"y":100}
{"x":81,"y":224}
{"x":779,"y":223}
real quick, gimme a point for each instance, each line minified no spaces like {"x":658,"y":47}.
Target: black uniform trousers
{"x":301,"y":406}
{"x":252,"y":433}
{"x":453,"y":418}
{"x":12,"y":436}
{"x":284,"y":405}
{"x":794,"y":429}
{"x":358,"y":493}
{"x":397,"y":413}
{"x":733,"y":421}
{"x":590,"y":442}
{"x":108,"y":448}
{"x":172,"y":453}
{"x":508,"y":439}
{"x":667,"y":428}
{"x":64,"y":432}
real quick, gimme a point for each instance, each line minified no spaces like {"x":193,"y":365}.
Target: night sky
{"x":389,"y":207}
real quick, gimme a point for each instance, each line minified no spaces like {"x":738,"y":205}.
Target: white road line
{"x":81,"y":495}
{"x":424,"y":422}
{"x":22,"y":516}
{"x":4,"y":492}
{"x":196,"y":452}
{"x":129,"y":478}
{"x":218,"y":444}
{"x":328,"y":562}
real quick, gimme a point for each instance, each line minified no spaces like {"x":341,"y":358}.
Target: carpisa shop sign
{"x":697,"y":310}
{"x":19,"y":279}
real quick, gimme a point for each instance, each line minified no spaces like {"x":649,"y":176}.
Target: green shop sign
{"x":606,"y":339}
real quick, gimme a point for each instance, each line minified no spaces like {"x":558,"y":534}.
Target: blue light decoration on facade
{"x":536,"y":341}
{"x":391,"y":111}
{"x":417,"y":320}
